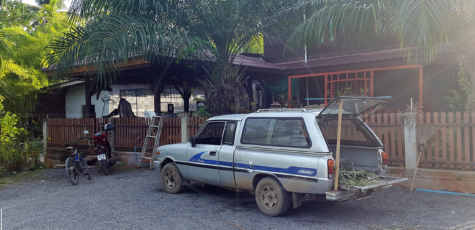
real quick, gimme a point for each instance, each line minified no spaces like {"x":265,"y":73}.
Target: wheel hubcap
{"x":269,"y":197}
{"x":170,"y":180}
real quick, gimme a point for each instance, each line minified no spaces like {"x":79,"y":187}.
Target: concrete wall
{"x":441,"y":180}
{"x":75,"y":99}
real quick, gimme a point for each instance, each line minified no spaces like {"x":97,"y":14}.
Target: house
{"x":67,"y":100}
{"x":314,"y":77}
{"x":376,"y":69}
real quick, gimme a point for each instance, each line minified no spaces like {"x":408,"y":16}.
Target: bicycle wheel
{"x":72,"y":171}
{"x":84,"y":168}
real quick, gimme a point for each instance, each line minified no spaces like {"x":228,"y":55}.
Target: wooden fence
{"x":389,"y":129}
{"x":194,"y":124}
{"x":62,"y":130}
{"x":451,"y":147}
{"x":129,"y":133}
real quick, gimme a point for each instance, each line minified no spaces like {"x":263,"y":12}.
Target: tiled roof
{"x":254,"y":61}
{"x":335,"y":61}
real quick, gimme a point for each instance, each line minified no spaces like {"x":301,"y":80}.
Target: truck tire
{"x":171,"y":179}
{"x":271,"y":197}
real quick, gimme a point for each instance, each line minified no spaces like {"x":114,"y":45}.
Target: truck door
{"x":204,"y":157}
{"x":226,"y":155}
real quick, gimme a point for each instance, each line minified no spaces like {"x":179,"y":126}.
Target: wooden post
{"x":421,"y":87}
{"x":45,"y":140}
{"x":338,"y":139}
{"x":290,"y":92}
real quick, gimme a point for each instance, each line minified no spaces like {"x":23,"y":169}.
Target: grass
{"x":15,"y":178}
{"x":122,"y":168}
{"x":356,"y":177}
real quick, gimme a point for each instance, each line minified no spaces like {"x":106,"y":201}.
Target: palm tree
{"x":425,"y":24}
{"x":163,"y":31}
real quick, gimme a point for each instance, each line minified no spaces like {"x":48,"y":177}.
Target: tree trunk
{"x":87,"y":110}
{"x":157,"y":96}
{"x":186,"y":101}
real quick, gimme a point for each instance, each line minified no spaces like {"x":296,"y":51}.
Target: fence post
{"x":112,"y":140}
{"x":45,"y":138}
{"x":410,"y":141}
{"x":184,"y":127}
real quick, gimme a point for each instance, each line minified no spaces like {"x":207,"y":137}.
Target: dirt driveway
{"x":134,"y":199}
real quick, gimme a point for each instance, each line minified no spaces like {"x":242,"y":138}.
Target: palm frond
{"x":424,"y":23}
{"x":5,"y":44}
{"x":103,"y":46}
{"x":9,"y":67}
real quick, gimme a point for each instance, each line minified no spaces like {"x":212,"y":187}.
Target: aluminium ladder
{"x":154,"y":133}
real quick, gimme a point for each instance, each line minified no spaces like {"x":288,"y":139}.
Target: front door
{"x":204,"y":157}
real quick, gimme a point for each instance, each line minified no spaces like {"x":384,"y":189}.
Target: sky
{"x":32,"y":2}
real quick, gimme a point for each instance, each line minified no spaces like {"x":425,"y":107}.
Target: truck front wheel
{"x":271,"y":197}
{"x":171,"y":179}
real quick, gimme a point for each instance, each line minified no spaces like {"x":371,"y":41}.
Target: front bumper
{"x":156,"y":165}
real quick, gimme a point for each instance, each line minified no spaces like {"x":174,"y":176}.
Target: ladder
{"x":153,"y":134}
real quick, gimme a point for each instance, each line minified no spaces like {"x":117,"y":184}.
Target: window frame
{"x":372,"y":139}
{"x":204,"y":126}
{"x":234,"y":134}
{"x":309,"y":140}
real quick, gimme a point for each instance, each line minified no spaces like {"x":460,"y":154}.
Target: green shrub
{"x":14,"y":154}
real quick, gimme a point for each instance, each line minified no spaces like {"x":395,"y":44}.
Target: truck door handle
{"x":212,"y":153}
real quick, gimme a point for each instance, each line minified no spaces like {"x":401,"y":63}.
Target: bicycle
{"x":76,"y":164}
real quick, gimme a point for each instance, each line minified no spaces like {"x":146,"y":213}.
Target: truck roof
{"x":270,"y":113}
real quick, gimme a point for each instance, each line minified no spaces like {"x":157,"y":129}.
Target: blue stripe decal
{"x":197,"y":158}
{"x":290,"y":170}
{"x":225,"y":163}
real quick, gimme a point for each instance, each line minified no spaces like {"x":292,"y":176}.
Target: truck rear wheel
{"x":271,"y":197}
{"x":171,"y":179}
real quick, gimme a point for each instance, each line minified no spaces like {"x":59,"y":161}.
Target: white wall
{"x":141,"y":104}
{"x":75,"y":99}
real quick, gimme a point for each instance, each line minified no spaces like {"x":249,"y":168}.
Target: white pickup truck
{"x":283,"y":156}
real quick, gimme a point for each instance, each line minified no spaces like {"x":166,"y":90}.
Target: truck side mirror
{"x":193,"y":141}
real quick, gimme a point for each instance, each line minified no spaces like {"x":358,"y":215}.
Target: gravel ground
{"x":134,"y":199}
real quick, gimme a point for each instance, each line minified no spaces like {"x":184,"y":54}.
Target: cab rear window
{"x":284,"y":132}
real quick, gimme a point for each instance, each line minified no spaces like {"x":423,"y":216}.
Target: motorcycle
{"x":102,"y":149}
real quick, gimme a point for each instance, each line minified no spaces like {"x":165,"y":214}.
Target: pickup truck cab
{"x":283,"y":156}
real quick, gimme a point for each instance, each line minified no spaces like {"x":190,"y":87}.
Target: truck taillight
{"x":331,"y":169}
{"x":385,"y":158}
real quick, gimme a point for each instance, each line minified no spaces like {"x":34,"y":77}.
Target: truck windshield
{"x":353,"y":132}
